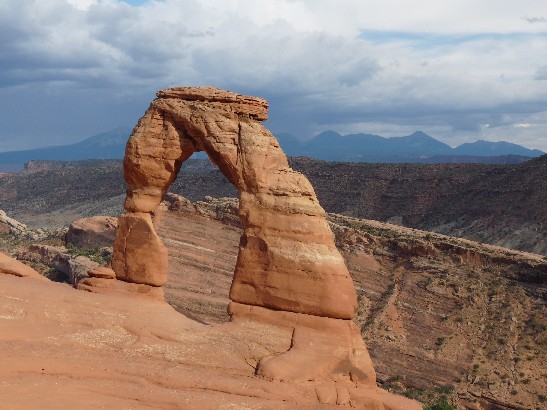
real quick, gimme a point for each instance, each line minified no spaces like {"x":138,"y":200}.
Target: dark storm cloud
{"x":67,"y":72}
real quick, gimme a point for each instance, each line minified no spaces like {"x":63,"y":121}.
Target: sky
{"x":458,"y":70}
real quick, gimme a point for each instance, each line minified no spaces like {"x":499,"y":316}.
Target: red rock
{"x":139,"y":254}
{"x":10,"y":266}
{"x":117,"y":287}
{"x":91,"y":233}
{"x":287,"y":258}
{"x":127,"y":350}
{"x":288,"y":273}
{"x":321,"y":347}
{"x":102,"y":272}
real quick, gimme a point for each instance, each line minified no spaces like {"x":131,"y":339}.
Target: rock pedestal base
{"x":329,"y":352}
{"x":321,"y":348}
{"x":139,"y":254}
{"x":113,"y":286}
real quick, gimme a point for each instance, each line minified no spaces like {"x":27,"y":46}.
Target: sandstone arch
{"x":288,"y":271}
{"x":287,"y":258}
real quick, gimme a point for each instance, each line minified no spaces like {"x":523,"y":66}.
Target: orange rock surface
{"x":131,"y":351}
{"x":288,"y":272}
{"x":11,"y":266}
{"x":139,"y":254}
{"x":287,"y":257}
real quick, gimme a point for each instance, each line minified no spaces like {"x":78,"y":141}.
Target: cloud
{"x":81,"y":4}
{"x":444,"y":67}
{"x":541,"y":73}
{"x":535,"y":20}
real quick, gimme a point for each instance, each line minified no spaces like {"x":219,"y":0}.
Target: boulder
{"x":10,"y":266}
{"x":92,"y":233}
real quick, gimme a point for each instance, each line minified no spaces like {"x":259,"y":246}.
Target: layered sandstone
{"x":287,"y":258}
{"x":92,"y":233}
{"x":432,"y":308}
{"x":288,"y":270}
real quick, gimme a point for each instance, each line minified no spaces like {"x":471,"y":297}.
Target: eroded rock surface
{"x":130,"y":351}
{"x":18,"y":229}
{"x":433,"y":309}
{"x":10,"y":266}
{"x":73,"y":267}
{"x":288,"y":269}
{"x":92,"y":233}
{"x":139,"y":254}
{"x":287,"y":258}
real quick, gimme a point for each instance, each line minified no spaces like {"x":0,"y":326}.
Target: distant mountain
{"x":291,"y":145}
{"x":487,"y":148}
{"x":328,"y":146}
{"x":108,"y":145}
{"x":415,"y":148}
{"x":472,"y":159}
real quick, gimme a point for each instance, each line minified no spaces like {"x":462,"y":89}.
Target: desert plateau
{"x":257,"y":298}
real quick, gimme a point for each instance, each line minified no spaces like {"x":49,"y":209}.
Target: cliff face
{"x":497,"y":204}
{"x":502,"y":204}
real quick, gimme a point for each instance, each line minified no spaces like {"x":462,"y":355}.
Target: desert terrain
{"x":441,"y":316}
{"x":497,"y":204}
{"x":266,"y":301}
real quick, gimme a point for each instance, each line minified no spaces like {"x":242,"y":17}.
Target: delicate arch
{"x":287,"y":257}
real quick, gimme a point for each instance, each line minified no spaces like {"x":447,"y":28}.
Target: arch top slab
{"x":253,"y":107}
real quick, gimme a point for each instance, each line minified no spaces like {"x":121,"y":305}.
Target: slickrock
{"x":92,"y":233}
{"x":320,"y":347}
{"x":104,"y":284}
{"x":117,"y":351}
{"x":11,"y":266}
{"x":288,"y":273}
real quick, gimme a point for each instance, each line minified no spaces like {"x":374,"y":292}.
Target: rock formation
{"x":287,"y":259}
{"x":18,"y":229}
{"x":288,"y":271}
{"x":10,"y":266}
{"x":74,"y":267}
{"x":91,"y":233}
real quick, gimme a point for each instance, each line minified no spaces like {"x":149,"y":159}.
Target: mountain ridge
{"x":497,"y":204}
{"x":329,"y":145}
{"x":106,"y":145}
{"x":414,"y":148}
